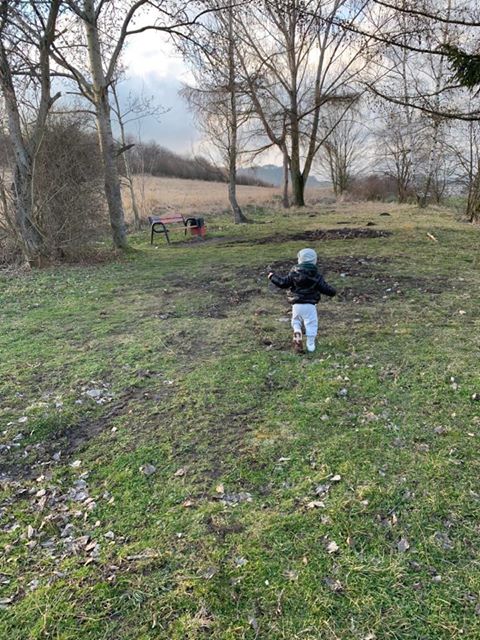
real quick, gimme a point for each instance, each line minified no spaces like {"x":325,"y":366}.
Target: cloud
{"x":155,"y":70}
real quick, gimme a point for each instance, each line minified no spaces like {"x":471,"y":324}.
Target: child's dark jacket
{"x":306,"y":284}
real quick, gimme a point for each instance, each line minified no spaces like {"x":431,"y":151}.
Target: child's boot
{"x":298,"y":342}
{"x":310,"y":344}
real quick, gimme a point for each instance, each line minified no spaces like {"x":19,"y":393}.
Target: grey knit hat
{"x":307,"y":256}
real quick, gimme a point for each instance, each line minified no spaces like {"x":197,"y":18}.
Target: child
{"x":305,"y":284}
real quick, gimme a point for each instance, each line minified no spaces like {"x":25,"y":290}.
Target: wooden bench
{"x":158,"y":224}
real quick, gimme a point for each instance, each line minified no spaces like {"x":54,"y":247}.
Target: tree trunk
{"x":298,"y":187}
{"x":473,"y":201}
{"x":29,"y":234}
{"x":104,"y":127}
{"x":232,"y":150}
{"x":126,"y":163}
{"x":286,"y":169}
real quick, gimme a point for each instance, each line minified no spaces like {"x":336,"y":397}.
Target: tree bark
{"x":100,"y":99}
{"x":286,"y":170}
{"x":232,"y":149}
{"x":26,"y":144}
{"x":29,"y":234}
{"x":126,"y":163}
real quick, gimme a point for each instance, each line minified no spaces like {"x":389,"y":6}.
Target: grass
{"x":227,"y":540}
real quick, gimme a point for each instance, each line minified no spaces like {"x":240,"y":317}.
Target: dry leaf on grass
{"x":403,"y":545}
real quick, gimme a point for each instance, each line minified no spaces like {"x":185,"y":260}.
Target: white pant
{"x":305,"y":314}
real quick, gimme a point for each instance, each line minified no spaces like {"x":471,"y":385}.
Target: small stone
{"x":110,"y":535}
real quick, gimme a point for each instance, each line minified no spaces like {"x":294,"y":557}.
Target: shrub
{"x":374,"y":187}
{"x":69,"y":204}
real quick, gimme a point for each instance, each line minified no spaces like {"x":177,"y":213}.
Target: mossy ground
{"x":227,"y":540}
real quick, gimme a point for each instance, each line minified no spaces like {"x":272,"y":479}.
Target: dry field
{"x":197,"y":196}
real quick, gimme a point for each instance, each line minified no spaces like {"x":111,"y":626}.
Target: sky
{"x":156,"y":70}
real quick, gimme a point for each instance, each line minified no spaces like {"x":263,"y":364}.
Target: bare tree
{"x":436,"y":29}
{"x":134,"y":110}
{"x":217,"y":98}
{"x":345,"y":151}
{"x":27,"y":34}
{"x":296,"y":58}
{"x":105,"y":28}
{"x":465,"y":147}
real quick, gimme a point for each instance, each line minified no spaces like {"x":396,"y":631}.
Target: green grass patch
{"x":327,"y":496}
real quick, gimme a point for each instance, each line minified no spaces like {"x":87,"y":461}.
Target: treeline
{"x":155,"y":160}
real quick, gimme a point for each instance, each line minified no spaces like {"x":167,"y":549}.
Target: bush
{"x":69,"y":203}
{"x":374,"y":187}
{"x":69,"y":187}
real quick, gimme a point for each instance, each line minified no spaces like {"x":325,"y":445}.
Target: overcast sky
{"x":154,"y":69}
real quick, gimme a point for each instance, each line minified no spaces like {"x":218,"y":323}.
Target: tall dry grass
{"x":159,"y":195}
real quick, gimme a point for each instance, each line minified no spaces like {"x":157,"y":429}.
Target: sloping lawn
{"x":171,"y":470}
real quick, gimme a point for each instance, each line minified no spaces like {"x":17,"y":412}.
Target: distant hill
{"x":273,"y":174}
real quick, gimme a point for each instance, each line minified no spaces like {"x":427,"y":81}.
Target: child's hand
{"x":270,"y":275}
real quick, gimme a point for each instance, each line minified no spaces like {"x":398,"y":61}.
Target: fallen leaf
{"x":334,"y":585}
{"x":336,"y":478}
{"x":291,"y":574}
{"x":4,"y":602}
{"x":443,"y":540}
{"x":252,"y":621}
{"x":209,"y":573}
{"x":315,"y":504}
{"x":220,"y":488}
{"x":403,"y":545}
{"x":76,"y":464}
{"x":322,"y":490}
{"x":179,"y":473}
{"x":147,"y":469}
{"x":440,"y":431}
{"x":240,"y":562}
{"x":332,"y":547}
